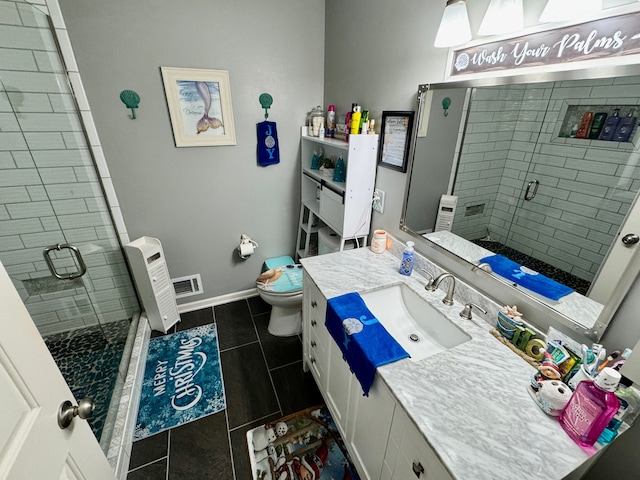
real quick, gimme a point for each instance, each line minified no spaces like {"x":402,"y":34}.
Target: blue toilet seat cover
{"x":290,"y":279}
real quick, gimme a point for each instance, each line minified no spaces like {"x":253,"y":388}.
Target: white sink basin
{"x":416,"y":325}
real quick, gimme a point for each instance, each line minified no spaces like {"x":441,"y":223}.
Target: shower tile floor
{"x":578,"y":284}
{"x":263,"y":381}
{"x":89,"y":359}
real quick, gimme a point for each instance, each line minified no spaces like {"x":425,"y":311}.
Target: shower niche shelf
{"x":571,"y":115}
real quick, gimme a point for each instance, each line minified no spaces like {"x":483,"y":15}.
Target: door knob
{"x":67,"y":411}
{"x":630,"y":239}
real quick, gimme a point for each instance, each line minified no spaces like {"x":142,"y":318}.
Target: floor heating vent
{"x":187,"y":286}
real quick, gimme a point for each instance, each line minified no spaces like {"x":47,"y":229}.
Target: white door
{"x":32,"y":445}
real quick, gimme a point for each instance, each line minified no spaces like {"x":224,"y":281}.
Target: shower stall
{"x":58,"y":240}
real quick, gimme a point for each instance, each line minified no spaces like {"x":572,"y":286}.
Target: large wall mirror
{"x":524,"y":180}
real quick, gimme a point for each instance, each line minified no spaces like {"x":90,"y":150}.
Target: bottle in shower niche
{"x":610,"y":125}
{"x":597,"y":125}
{"x":591,"y":407}
{"x":585,"y":125}
{"x":408,"y":257}
{"x":625,"y":127}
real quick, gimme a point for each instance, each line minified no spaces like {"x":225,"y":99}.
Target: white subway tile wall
{"x":50,"y":191}
{"x":586,"y":186}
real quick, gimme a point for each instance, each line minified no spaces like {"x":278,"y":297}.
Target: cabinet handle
{"x":314,"y":304}
{"x":312,"y":359}
{"x":418,"y":469}
{"x":313,"y":344}
{"x":313,"y":323}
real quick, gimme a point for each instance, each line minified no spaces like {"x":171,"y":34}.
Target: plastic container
{"x":330,"y":128}
{"x":591,"y":407}
{"x":625,"y":127}
{"x":610,"y":125}
{"x":408,"y":257}
{"x":627,"y":412}
{"x":585,"y":125}
{"x":355,"y":120}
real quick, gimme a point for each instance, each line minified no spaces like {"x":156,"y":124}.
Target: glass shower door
{"x":57,"y":238}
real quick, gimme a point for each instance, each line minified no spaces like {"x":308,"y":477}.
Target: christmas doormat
{"x":182,"y":381}
{"x":303,"y":445}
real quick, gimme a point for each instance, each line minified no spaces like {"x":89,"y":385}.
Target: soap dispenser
{"x":625,"y":127}
{"x":610,"y":125}
{"x":406,"y":264}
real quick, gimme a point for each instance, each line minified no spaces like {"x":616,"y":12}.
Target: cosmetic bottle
{"x":625,"y":127}
{"x":627,"y":412}
{"x":408,"y":257}
{"x":585,"y":124}
{"x":610,"y":125}
{"x":355,"y":120}
{"x":597,"y":125}
{"x":591,"y":407}
{"x":331,"y":121}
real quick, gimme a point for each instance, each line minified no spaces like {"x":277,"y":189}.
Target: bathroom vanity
{"x":463,"y":413}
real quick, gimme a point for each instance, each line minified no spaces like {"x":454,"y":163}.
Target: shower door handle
{"x":52,"y":267}
{"x":528,"y":195}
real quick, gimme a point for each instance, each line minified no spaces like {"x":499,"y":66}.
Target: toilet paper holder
{"x":246,"y":247}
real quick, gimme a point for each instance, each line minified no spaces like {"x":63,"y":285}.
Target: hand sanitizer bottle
{"x":591,"y":407}
{"x":406,"y":264}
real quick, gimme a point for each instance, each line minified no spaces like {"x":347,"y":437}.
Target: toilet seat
{"x":282,"y":277}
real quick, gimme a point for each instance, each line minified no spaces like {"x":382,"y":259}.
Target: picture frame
{"x":199,"y":102}
{"x":395,"y":138}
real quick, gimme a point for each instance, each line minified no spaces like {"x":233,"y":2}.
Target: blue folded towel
{"x":527,"y":278}
{"x":363,"y":340}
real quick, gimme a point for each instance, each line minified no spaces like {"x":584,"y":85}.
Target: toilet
{"x":280,"y":285}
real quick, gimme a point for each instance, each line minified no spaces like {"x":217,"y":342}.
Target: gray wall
{"x":199,"y":200}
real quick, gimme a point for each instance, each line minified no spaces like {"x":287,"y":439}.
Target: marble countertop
{"x":470,"y":402}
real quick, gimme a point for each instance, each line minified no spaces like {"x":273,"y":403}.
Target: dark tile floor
{"x":263,"y":381}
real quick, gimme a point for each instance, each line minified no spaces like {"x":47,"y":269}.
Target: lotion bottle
{"x":591,"y":407}
{"x":610,"y":125}
{"x":408,"y":257}
{"x":625,"y":127}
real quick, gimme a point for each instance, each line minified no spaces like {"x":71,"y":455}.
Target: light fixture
{"x":503,"y":16}
{"x":561,"y":10}
{"x":454,"y":27}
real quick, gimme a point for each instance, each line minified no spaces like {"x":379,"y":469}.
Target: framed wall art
{"x":199,"y":106}
{"x":395,"y":136}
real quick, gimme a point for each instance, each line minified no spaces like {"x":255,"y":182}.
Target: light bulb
{"x":454,"y":27}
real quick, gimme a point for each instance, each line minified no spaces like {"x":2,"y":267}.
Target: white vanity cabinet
{"x":408,"y":456}
{"x":344,"y":206}
{"x":363,"y":422}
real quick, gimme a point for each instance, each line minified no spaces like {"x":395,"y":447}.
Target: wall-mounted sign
{"x":607,"y":37}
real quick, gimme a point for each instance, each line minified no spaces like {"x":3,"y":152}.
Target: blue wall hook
{"x":266,"y":100}
{"x":446,"y":103}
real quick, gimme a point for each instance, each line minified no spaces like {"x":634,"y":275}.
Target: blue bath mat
{"x":182,"y":381}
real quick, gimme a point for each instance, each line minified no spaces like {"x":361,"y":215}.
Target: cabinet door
{"x":369,"y":423}
{"x":339,"y":378}
{"x":332,"y":209}
{"x":315,"y":335}
{"x":409,"y":455}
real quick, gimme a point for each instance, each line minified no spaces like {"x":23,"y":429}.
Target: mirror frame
{"x":540,"y":314}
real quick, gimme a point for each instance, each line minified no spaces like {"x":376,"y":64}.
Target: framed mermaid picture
{"x":199,"y":106}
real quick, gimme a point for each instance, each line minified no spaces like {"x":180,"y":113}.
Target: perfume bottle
{"x":591,"y":407}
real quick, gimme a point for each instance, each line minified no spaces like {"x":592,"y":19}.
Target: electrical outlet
{"x":378,"y":201}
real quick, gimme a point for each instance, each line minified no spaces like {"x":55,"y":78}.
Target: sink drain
{"x":414,"y":338}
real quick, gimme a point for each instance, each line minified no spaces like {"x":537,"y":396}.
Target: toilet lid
{"x":285,"y":279}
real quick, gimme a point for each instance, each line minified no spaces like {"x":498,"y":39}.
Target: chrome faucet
{"x":482,"y":266}
{"x":433,"y":286}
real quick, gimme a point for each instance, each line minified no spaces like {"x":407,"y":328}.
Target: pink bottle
{"x":591,"y":407}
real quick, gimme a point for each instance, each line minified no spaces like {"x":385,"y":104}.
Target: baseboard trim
{"x":213,"y":301}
